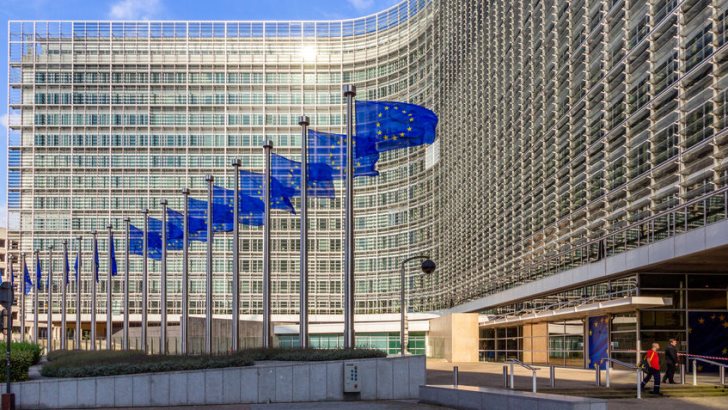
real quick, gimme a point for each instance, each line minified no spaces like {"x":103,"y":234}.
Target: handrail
{"x":721,"y":369}
{"x":619,"y":362}
{"x":533,"y":370}
{"x":700,"y":359}
{"x":524,"y":365}
{"x":637,"y":369}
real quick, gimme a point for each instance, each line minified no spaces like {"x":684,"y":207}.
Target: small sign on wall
{"x":351,"y":378}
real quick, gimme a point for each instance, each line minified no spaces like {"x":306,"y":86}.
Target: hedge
{"x":32,"y":348}
{"x":20,"y":362}
{"x":111,"y":363}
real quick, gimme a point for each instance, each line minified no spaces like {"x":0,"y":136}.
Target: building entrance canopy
{"x":626,"y":304}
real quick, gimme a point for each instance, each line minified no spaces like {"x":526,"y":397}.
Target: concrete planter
{"x":380,"y":379}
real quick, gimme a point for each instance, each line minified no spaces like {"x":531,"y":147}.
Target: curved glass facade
{"x":108,"y":118}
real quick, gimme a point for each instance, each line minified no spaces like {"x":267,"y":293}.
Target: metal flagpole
{"x":349,"y":342}
{"x":49,"y":305}
{"x":77,"y":336}
{"x":125,"y":341}
{"x":303,"y":121}
{"x":208,"y":289}
{"x":145,"y":277}
{"x":266,"y":248}
{"x":64,"y":290}
{"x":35,"y":300}
{"x":10,"y":261}
{"x":185,"y":267}
{"x":109,"y":312}
{"x":22,"y":298}
{"x":95,"y":273}
{"x":163,"y":283}
{"x":236,"y":259}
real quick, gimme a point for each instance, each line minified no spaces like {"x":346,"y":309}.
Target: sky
{"x":159,"y":10}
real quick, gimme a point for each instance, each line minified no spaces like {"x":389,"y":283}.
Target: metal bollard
{"x":513,"y":384}
{"x":598,"y":375}
{"x":455,"y":376}
{"x":639,"y":383}
{"x":682,"y":374}
{"x":534,"y":381}
{"x":722,"y":375}
{"x":505,"y":376}
{"x":695,"y":372}
{"x":606,"y":374}
{"x":552,"y":376}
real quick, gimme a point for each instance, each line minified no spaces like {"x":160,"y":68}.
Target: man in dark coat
{"x":671,"y":360}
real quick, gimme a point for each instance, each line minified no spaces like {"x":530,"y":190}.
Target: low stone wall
{"x":476,"y":398}
{"x":380,"y":379}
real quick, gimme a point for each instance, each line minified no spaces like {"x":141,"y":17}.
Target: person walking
{"x":671,"y":360}
{"x":652,"y":367}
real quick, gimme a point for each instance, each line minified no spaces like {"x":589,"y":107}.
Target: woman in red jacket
{"x":653,"y":368}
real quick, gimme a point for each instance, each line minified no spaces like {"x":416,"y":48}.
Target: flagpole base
{"x":8,"y":401}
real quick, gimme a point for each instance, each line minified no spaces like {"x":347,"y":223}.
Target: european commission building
{"x":575,"y":201}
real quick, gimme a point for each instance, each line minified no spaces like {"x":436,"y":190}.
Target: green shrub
{"x":110,"y":363}
{"x":31,"y":348}
{"x":20,"y":362}
{"x":104,"y":363}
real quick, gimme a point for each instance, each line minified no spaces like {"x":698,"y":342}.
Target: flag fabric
{"x":288,"y":173}
{"x":394,"y":125}
{"x":26,"y":277}
{"x":38,"y":273}
{"x":330,"y":149}
{"x":250,"y":209}
{"x":175,"y":220}
{"x":174,"y":236}
{"x":598,"y":341}
{"x":136,"y":243}
{"x":251,"y":185}
{"x":222,"y":218}
{"x":66,"y":264}
{"x":112,"y":256}
{"x":97,"y":265}
{"x":75,"y":266}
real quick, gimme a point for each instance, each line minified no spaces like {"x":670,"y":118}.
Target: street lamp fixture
{"x":427,"y":266}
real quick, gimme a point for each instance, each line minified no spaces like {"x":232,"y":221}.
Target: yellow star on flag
{"x":701,"y":320}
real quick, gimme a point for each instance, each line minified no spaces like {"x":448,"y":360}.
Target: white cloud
{"x":361,"y":5}
{"x":135,"y":9}
{"x":4,"y":121}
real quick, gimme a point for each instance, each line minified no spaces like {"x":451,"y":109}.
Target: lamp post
{"x":427,"y":266}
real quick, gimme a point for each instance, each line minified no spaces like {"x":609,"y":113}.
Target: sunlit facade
{"x":108,"y":118}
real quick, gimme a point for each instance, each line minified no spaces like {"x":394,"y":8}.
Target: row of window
{"x":182,"y":98}
{"x":180,"y":119}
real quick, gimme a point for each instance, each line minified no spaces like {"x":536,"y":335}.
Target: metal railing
{"x":607,"y":381}
{"x":721,"y":369}
{"x":694,"y":213}
{"x":512,"y":363}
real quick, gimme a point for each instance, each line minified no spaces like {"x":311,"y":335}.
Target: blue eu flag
{"x":222,"y":218}
{"x":96,"y":259}
{"x":174,"y":236}
{"x":66,"y":264}
{"x":251,"y":185}
{"x":112,"y":256}
{"x":250,"y":209}
{"x":136,"y":243}
{"x":38,"y":273}
{"x":176,"y":221}
{"x":330,"y":149}
{"x":288,"y":173}
{"x":394,"y":125}
{"x":75,"y":266}
{"x":26,"y":276}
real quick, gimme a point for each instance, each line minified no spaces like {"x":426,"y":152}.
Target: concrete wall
{"x":454,"y":337}
{"x":381,"y":379}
